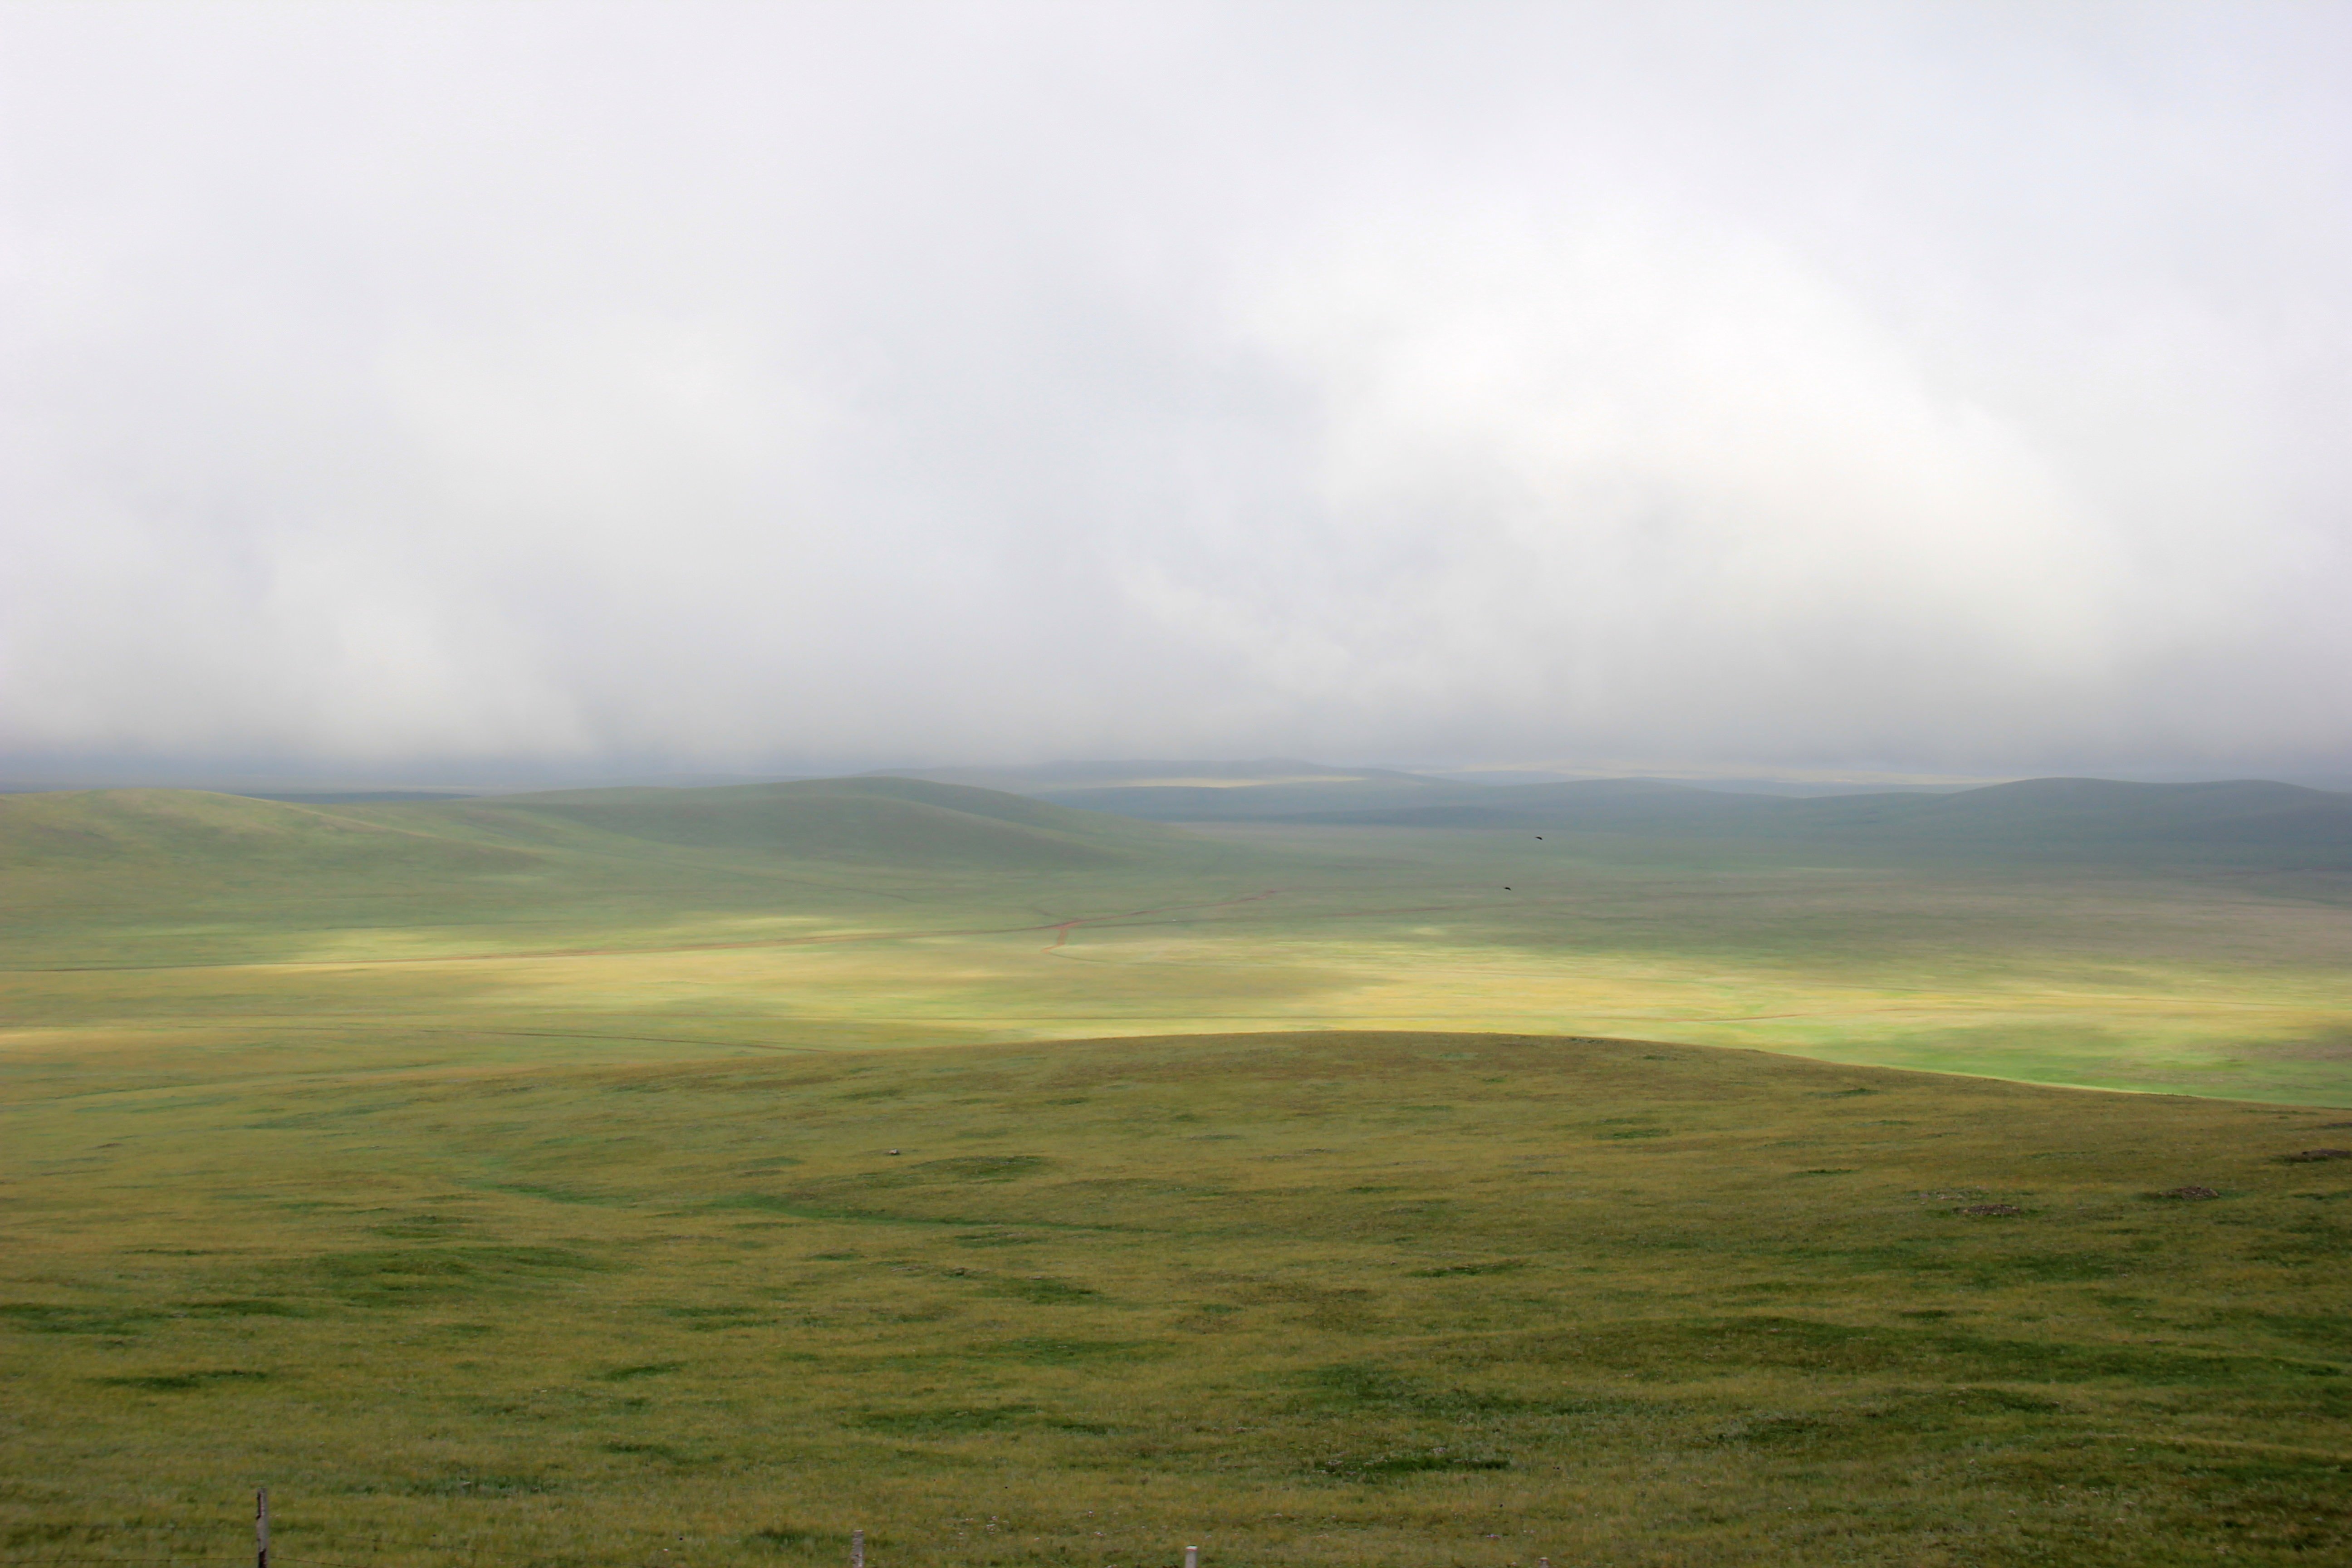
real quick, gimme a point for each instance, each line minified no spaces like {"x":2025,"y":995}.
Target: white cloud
{"x":1948,"y":386}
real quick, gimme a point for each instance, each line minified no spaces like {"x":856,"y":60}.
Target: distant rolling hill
{"x":86,"y":831}
{"x":896,"y":820}
{"x":2271,"y":824}
{"x":2251,"y":821}
{"x":150,"y":836}
{"x":1218,"y":791}
{"x":2238,"y":813}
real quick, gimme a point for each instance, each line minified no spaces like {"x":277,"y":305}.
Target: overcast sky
{"x":412,"y":387}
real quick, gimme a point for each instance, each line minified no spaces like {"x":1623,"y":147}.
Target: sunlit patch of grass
{"x":2198,"y":979}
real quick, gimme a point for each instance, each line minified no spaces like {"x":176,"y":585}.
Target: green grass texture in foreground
{"x":1318,"y":1298}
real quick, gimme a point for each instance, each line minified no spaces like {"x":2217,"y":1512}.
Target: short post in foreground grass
{"x":856,"y":1550}
{"x":261,"y":1528}
{"x":1192,"y":1557}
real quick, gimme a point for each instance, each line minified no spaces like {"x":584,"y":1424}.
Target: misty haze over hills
{"x":522,"y":394}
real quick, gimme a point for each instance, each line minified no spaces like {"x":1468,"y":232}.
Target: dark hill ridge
{"x":1263,"y":802}
{"x":2031,"y":813}
{"x":2242,"y":811}
{"x":1051,"y":778}
{"x":1170,"y":791}
{"x":2238,"y":820}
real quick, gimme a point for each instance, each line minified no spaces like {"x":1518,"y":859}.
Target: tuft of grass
{"x":1500,"y":1265}
{"x":985,"y":1167}
{"x":933,"y":1422}
{"x":178,"y":1382}
{"x":1042,"y":1289}
{"x":1435,"y":1461}
{"x":45,"y":1318}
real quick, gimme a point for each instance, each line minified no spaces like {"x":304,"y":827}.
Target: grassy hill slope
{"x":891,"y":821}
{"x":162,"y":831}
{"x":875,"y":820}
{"x":158,"y":844}
{"x":143,"y":878}
{"x":1368,"y":1298}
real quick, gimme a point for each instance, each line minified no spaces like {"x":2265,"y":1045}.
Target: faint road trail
{"x":1062,"y":928}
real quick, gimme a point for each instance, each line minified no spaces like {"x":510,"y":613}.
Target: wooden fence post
{"x":856,"y":1550}
{"x":261,"y":1528}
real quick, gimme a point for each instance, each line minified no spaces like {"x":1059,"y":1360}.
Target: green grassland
{"x":882,"y":912}
{"x":1317,"y":1299}
{"x":511,"y":1180}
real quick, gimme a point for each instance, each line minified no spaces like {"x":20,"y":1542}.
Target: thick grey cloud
{"x":1951,"y":386}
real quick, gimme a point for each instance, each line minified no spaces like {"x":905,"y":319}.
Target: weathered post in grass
{"x":856,"y":1550}
{"x":261,"y":1529}
{"x":1192,"y":1557}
